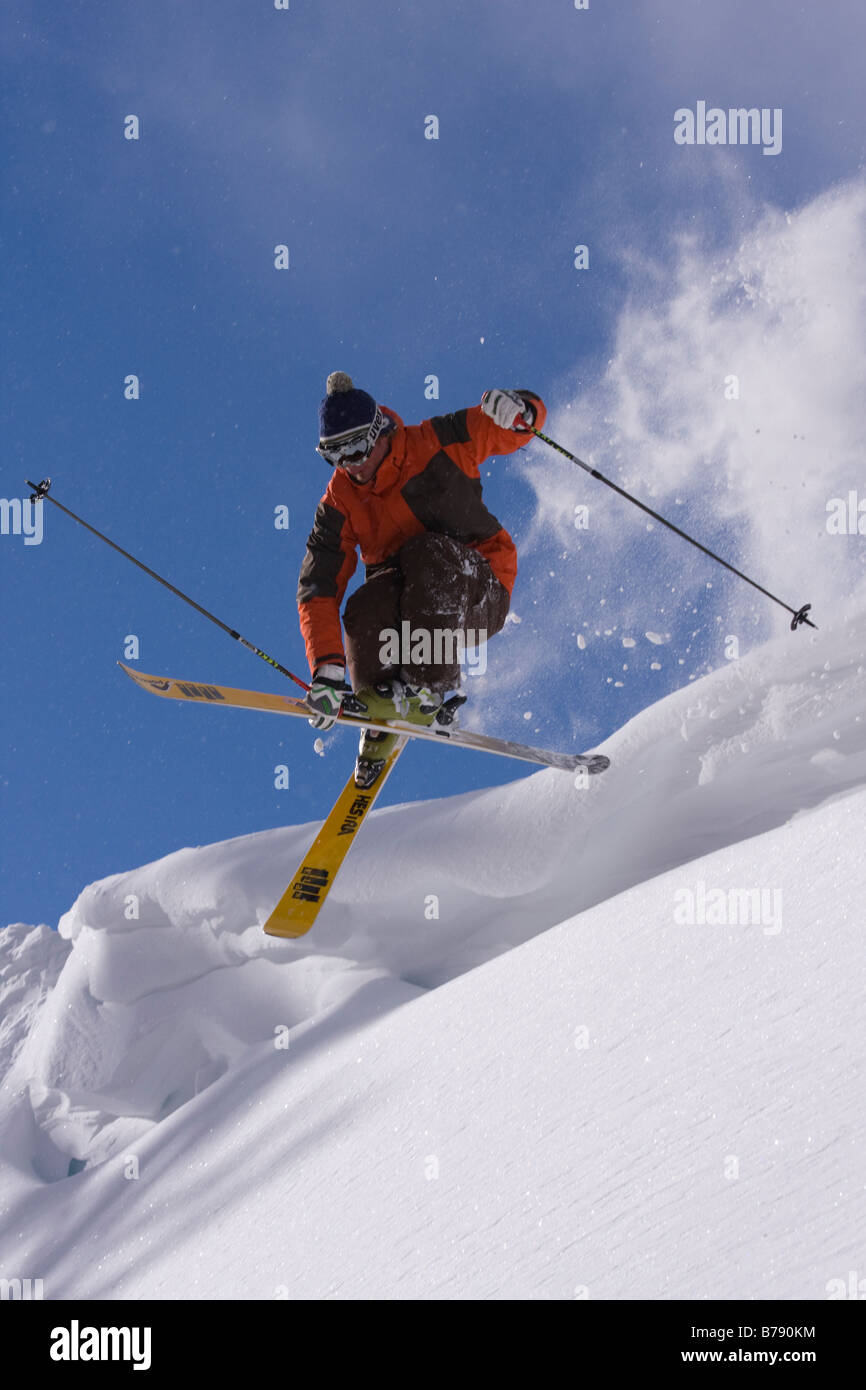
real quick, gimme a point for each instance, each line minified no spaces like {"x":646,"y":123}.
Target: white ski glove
{"x":326,"y":695}
{"x":507,"y":409}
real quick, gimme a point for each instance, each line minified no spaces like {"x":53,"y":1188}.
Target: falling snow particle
{"x":657,"y":637}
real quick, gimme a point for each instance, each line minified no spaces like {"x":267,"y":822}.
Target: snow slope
{"x":546,"y":1041}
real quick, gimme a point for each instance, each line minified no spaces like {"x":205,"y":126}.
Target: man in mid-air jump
{"x":409,"y":498}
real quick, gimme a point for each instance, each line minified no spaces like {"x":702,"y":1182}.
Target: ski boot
{"x":392,"y":699}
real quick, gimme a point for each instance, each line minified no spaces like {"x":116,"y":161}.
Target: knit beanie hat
{"x":344,"y":407}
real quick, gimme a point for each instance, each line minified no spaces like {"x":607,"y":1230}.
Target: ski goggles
{"x":354,"y":446}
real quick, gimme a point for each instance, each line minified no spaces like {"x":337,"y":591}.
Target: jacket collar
{"x":392,"y":465}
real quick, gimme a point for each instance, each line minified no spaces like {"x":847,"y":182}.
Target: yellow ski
{"x":302,"y":901}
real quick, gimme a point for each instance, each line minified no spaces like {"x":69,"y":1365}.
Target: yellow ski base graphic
{"x":302,"y":901}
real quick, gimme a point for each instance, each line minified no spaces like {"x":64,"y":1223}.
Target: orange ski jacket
{"x":429,"y":481}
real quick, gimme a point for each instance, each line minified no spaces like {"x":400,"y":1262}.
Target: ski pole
{"x":41,"y":494}
{"x":799,"y":613}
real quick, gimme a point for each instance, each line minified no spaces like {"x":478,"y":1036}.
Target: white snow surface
{"x":506,"y":1063}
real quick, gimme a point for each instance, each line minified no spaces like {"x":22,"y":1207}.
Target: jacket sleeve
{"x":470,"y":436}
{"x":327,"y":568}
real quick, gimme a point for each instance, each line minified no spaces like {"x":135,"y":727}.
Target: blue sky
{"x":408,"y":257}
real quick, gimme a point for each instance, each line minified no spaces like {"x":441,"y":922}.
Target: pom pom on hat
{"x":339,"y":381}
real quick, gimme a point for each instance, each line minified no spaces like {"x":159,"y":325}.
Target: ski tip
{"x":130,"y":671}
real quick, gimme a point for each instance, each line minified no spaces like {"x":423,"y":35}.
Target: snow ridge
{"x":639,"y":1091}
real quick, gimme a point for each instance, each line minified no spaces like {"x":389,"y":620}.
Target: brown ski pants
{"x":434,"y":585}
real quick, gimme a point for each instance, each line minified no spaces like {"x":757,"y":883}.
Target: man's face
{"x":363,"y":471}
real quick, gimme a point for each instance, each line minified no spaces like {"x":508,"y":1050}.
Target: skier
{"x":409,"y":498}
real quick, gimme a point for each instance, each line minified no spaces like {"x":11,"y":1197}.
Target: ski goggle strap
{"x":354,"y":443}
